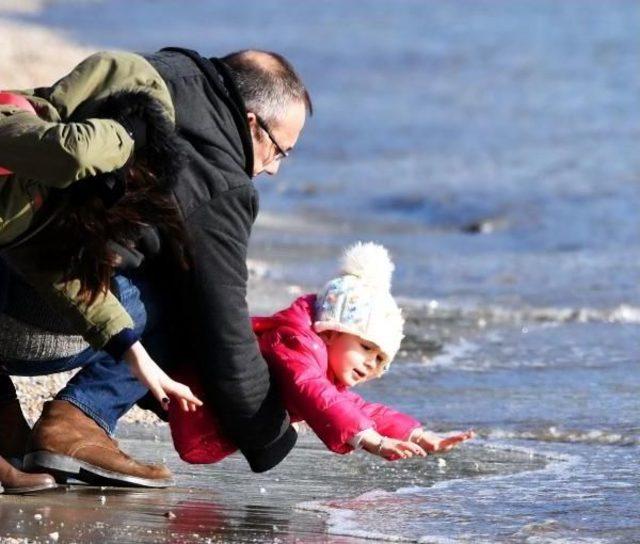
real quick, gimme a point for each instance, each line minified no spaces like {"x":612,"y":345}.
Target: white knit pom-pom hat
{"x":359,"y":301}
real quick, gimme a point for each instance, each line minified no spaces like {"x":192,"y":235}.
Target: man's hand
{"x":161,"y":386}
{"x":433,"y":443}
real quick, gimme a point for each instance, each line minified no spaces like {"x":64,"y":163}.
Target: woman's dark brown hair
{"x":80,"y":241}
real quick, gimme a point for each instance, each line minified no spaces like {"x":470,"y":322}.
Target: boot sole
{"x":32,"y":489}
{"x":63,"y":467}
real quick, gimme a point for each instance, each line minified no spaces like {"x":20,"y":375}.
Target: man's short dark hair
{"x":267,"y":82}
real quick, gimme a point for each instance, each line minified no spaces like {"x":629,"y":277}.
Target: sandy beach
{"x":31,"y":55}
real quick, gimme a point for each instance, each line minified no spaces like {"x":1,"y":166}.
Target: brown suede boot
{"x":14,"y":432}
{"x":16,"y":481}
{"x":69,"y":444}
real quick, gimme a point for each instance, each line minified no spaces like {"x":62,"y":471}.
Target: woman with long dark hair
{"x":81,"y":230}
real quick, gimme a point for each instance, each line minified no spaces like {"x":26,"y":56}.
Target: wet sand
{"x":227,"y":502}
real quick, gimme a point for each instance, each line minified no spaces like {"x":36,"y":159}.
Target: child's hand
{"x":161,"y":386}
{"x":391,"y":448}
{"x":433,"y":443}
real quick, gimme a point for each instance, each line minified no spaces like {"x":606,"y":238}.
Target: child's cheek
{"x":336,"y":364}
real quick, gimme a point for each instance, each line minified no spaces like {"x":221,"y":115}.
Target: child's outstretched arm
{"x":394,"y":424}
{"x":388,"y":421}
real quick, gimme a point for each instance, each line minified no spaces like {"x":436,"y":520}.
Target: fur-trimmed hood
{"x":163,"y":152}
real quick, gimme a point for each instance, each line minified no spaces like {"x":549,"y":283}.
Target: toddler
{"x":317,"y":349}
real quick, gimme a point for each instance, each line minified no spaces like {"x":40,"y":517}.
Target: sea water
{"x":492,"y":146}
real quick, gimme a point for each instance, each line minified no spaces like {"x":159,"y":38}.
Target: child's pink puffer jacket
{"x":297,"y":359}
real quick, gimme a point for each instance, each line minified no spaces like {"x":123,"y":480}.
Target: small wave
{"x":453,"y":353}
{"x":556,"y":434}
{"x":623,"y":313}
{"x":543,"y":533}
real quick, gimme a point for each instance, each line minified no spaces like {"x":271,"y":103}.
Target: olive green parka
{"x":64,"y":144}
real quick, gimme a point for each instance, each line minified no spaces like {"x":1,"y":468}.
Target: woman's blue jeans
{"x":104,"y":389}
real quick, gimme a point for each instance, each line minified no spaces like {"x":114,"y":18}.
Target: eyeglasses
{"x":263,"y":125}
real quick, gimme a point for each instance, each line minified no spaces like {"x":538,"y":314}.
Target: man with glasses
{"x":280,"y":153}
{"x":238,"y":116}
{"x":274,"y":125}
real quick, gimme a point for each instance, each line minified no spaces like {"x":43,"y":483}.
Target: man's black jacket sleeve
{"x":236,"y":377}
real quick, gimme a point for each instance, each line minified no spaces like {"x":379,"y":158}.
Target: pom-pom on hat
{"x":359,"y":301}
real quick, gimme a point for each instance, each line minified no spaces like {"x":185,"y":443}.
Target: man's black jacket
{"x":219,"y":204}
